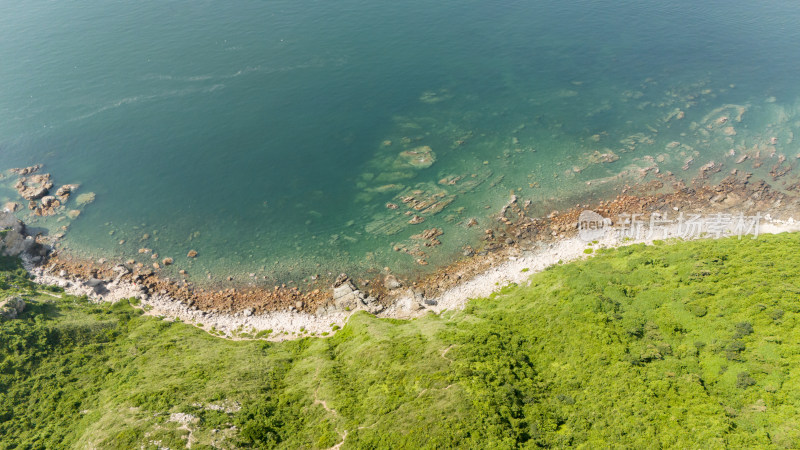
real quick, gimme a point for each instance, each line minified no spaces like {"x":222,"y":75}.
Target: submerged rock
{"x":418,"y":158}
{"x":432,"y":97}
{"x":430,"y":235}
{"x":26,"y":170}
{"x":606,"y":156}
{"x":85,"y":199}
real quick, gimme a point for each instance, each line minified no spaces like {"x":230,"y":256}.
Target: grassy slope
{"x":688,"y":345}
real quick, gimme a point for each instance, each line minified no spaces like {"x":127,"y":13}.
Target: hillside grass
{"x":674,"y":345}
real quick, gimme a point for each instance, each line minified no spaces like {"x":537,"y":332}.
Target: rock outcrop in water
{"x":23,"y":171}
{"x":65,"y":191}
{"x":418,"y":158}
{"x":34,"y":187}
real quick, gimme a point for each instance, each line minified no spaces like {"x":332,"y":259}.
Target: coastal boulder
{"x":411,"y":302}
{"x":347,"y":297}
{"x":48,"y":201}
{"x":32,"y":192}
{"x":15,"y":242}
{"x":11,"y":307}
{"x":48,"y":207}
{"x":391,"y":282}
{"x":34,"y":187}
{"x":12,"y":207}
{"x":98,"y":286}
{"x":9,"y":222}
{"x":372,"y":305}
{"x":65,"y":191}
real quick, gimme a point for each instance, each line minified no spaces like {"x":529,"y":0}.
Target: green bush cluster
{"x":685,"y":345}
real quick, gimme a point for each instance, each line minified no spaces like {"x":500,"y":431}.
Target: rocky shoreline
{"x":517,"y":247}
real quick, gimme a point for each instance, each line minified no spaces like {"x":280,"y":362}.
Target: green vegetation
{"x":687,"y":345}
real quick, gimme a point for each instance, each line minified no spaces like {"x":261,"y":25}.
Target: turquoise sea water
{"x":268,"y":136}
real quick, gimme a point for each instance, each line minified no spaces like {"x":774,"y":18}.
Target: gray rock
{"x":375,"y":308}
{"x":98,"y":286}
{"x":345,"y":295}
{"x":417,"y":295}
{"x":343,"y":290}
{"x":121,"y":270}
{"x":9,"y":222}
{"x":17,"y":244}
{"x":11,"y":307}
{"x":410,"y":304}
{"x":94,"y":282}
{"x":413,"y":301}
{"x":349,"y":302}
{"x":391,"y":282}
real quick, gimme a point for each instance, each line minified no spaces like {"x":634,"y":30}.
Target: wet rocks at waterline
{"x":347,"y":297}
{"x":15,"y":241}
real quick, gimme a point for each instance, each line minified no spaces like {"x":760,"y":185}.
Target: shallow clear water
{"x":256,"y":132}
